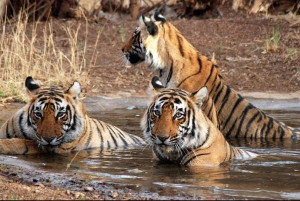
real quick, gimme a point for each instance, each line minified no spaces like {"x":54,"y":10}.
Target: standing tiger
{"x":180,"y":65}
{"x":55,"y":120}
{"x":179,"y":132}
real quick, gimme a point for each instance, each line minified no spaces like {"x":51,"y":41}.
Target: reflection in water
{"x":275,"y":174}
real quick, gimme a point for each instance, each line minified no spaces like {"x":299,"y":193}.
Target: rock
{"x":35,"y":180}
{"x":114,"y":194}
{"x":27,"y":188}
{"x":88,"y":188}
{"x":78,"y":195}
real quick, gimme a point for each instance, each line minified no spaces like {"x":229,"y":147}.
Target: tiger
{"x":180,"y":65}
{"x":55,"y":121}
{"x":180,"y":133}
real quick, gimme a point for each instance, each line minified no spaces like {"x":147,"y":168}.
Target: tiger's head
{"x":163,"y":47}
{"x":173,"y":123}
{"x":133,"y":49}
{"x":53,"y":115}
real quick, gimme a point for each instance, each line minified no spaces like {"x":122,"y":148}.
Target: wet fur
{"x":55,"y":120}
{"x":180,"y":132}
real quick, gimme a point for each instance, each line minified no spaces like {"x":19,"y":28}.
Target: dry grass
{"x":23,"y":55}
{"x":272,"y":43}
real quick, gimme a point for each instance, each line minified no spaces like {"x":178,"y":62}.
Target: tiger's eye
{"x":178,"y":115}
{"x":38,"y":115}
{"x":156,"y":112}
{"x":60,"y":114}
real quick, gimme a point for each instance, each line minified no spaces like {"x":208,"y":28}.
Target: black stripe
{"x":112,"y":133}
{"x":57,"y":100}
{"x":195,"y":156}
{"x":269,"y":126}
{"x":99,"y":132}
{"x":7,"y":131}
{"x":75,"y":124}
{"x":210,"y":109}
{"x":20,"y":123}
{"x":179,"y":39}
{"x":274,"y":135}
{"x":281,"y":133}
{"x":211,"y":73}
{"x":207,"y":136}
{"x":122,"y":136}
{"x":250,"y":121}
{"x":199,"y":71}
{"x":193,"y":119}
{"x":262,"y":131}
{"x":248,"y":154}
{"x":199,"y":63}
{"x":13,"y":128}
{"x":231,"y":128}
{"x":217,"y":95}
{"x":224,"y":100}
{"x":231,"y":113}
{"x":136,"y":139}
{"x":242,"y":117}
{"x":41,"y":99}
{"x":240,"y":152}
{"x":87,"y":143}
{"x":170,"y":74}
{"x":213,"y":85}
{"x":255,"y":134}
{"x":108,"y":145}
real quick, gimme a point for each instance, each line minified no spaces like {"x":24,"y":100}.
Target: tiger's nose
{"x":48,"y":139}
{"x":162,"y":138}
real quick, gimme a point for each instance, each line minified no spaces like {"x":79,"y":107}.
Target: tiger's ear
{"x":158,"y":17}
{"x":152,"y":28}
{"x":74,"y":90}
{"x":155,"y":86}
{"x":199,"y":96}
{"x":30,"y":86}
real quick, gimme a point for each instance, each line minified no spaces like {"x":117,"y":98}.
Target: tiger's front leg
{"x":19,"y":146}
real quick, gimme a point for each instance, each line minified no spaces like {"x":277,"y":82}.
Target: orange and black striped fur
{"x":55,"y":120}
{"x":180,"y":65}
{"x":179,"y":132}
{"x":136,"y":52}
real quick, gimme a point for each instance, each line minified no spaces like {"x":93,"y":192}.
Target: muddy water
{"x":275,"y":174}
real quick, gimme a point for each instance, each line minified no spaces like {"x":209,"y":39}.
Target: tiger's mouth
{"x":134,"y":58}
{"x":50,"y":141}
{"x":163,"y":141}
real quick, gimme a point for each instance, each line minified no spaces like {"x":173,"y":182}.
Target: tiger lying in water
{"x":180,"y":65}
{"x":55,"y":120}
{"x":179,"y":132}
